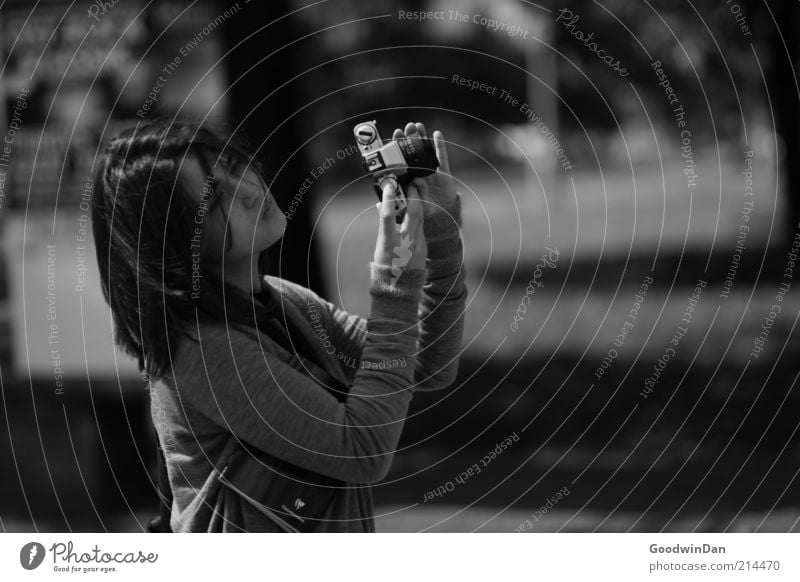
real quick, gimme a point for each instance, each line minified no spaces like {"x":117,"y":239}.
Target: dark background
{"x":713,"y":448}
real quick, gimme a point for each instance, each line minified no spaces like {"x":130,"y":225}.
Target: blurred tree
{"x":715,"y":55}
{"x":708,"y":59}
{"x":785,"y":96}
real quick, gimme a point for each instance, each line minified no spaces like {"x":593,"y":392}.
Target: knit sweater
{"x":228,"y":386}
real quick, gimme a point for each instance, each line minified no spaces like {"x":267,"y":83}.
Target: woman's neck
{"x":244,"y":275}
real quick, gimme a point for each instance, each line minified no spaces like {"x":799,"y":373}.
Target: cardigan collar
{"x":283,"y":307}
{"x":254,"y":314}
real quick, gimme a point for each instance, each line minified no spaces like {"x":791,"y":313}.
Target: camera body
{"x":402,"y":160}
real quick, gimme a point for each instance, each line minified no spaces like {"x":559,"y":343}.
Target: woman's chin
{"x":274,"y":228}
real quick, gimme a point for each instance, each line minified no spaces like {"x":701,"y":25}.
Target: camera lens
{"x":419,"y":155}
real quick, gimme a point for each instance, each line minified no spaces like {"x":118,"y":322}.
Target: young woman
{"x":241,"y":361}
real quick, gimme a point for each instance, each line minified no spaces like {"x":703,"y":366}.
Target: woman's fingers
{"x":421,"y":184}
{"x":387,"y":229}
{"x":413,"y":211}
{"x":411,"y":127}
{"x":419,"y":247}
{"x":419,"y":231}
{"x":389,"y":197}
{"x":441,"y":151}
{"x":419,"y":236}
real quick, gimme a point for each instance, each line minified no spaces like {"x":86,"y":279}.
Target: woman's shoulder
{"x":216,"y":343}
{"x":210,"y":339}
{"x":298,"y":294}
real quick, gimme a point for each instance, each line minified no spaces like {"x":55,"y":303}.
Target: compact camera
{"x":401,"y":160}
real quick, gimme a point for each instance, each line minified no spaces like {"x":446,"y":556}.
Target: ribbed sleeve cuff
{"x":396,"y":282}
{"x":444,"y":223}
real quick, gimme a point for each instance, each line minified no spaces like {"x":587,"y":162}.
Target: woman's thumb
{"x":389,"y":189}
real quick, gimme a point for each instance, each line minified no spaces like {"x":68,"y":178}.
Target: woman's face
{"x":254,"y":220}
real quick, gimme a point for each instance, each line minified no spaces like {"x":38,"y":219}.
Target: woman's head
{"x":233,"y":207}
{"x":179,"y":215}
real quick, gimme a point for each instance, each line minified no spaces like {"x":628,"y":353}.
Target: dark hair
{"x":143,"y":222}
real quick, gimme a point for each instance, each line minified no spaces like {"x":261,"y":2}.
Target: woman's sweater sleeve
{"x":278,"y":409}
{"x":444,"y":298}
{"x":441,"y":309}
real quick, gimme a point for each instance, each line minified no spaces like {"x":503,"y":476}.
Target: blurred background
{"x":631,"y":213}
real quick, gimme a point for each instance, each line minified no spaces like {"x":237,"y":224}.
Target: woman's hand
{"x":438,"y":190}
{"x":404,"y":246}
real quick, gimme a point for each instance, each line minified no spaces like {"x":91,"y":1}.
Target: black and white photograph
{"x":436,"y":267}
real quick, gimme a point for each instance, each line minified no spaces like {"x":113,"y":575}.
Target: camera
{"x":401,"y":160}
